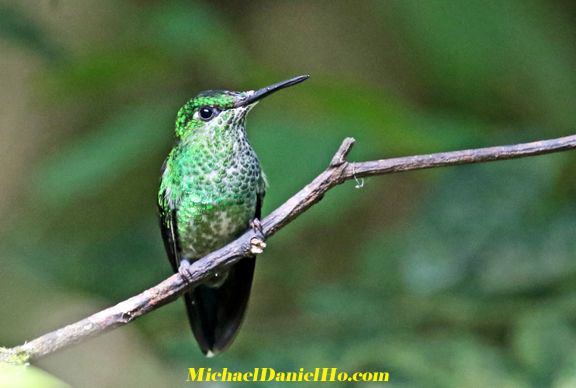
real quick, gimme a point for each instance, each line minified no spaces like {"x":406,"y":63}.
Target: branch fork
{"x":343,"y":151}
{"x":251,"y":242}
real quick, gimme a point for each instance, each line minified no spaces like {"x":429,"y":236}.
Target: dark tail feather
{"x":216,"y":313}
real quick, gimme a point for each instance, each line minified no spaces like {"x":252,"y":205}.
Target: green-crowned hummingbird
{"x":211,"y":191}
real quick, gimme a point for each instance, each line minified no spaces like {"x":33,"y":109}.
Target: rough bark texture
{"x":337,"y":172}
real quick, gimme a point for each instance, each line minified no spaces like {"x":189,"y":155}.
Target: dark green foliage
{"x":19,"y":29}
{"x":457,"y":277}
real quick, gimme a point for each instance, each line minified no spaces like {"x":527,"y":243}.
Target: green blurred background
{"x":456,"y":277}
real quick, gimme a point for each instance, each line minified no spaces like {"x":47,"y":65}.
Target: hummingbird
{"x":211,"y":191}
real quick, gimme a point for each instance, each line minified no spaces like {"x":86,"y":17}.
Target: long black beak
{"x":261,"y":93}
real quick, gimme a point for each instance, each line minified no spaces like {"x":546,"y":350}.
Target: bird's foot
{"x":257,"y":243}
{"x":184,"y":270}
{"x":256,"y":226}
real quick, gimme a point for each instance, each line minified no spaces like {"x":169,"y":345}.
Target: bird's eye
{"x":207,"y":113}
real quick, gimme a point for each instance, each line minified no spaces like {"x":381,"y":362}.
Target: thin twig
{"x":337,"y":172}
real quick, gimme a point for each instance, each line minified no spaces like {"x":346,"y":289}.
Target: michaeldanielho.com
{"x":269,"y":374}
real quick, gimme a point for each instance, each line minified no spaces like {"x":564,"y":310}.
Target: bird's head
{"x":222,"y":109}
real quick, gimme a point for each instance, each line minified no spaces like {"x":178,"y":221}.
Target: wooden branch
{"x":337,"y":172}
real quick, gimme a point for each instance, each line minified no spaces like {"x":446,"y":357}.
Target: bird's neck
{"x":202,"y":154}
{"x":216,"y":144}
